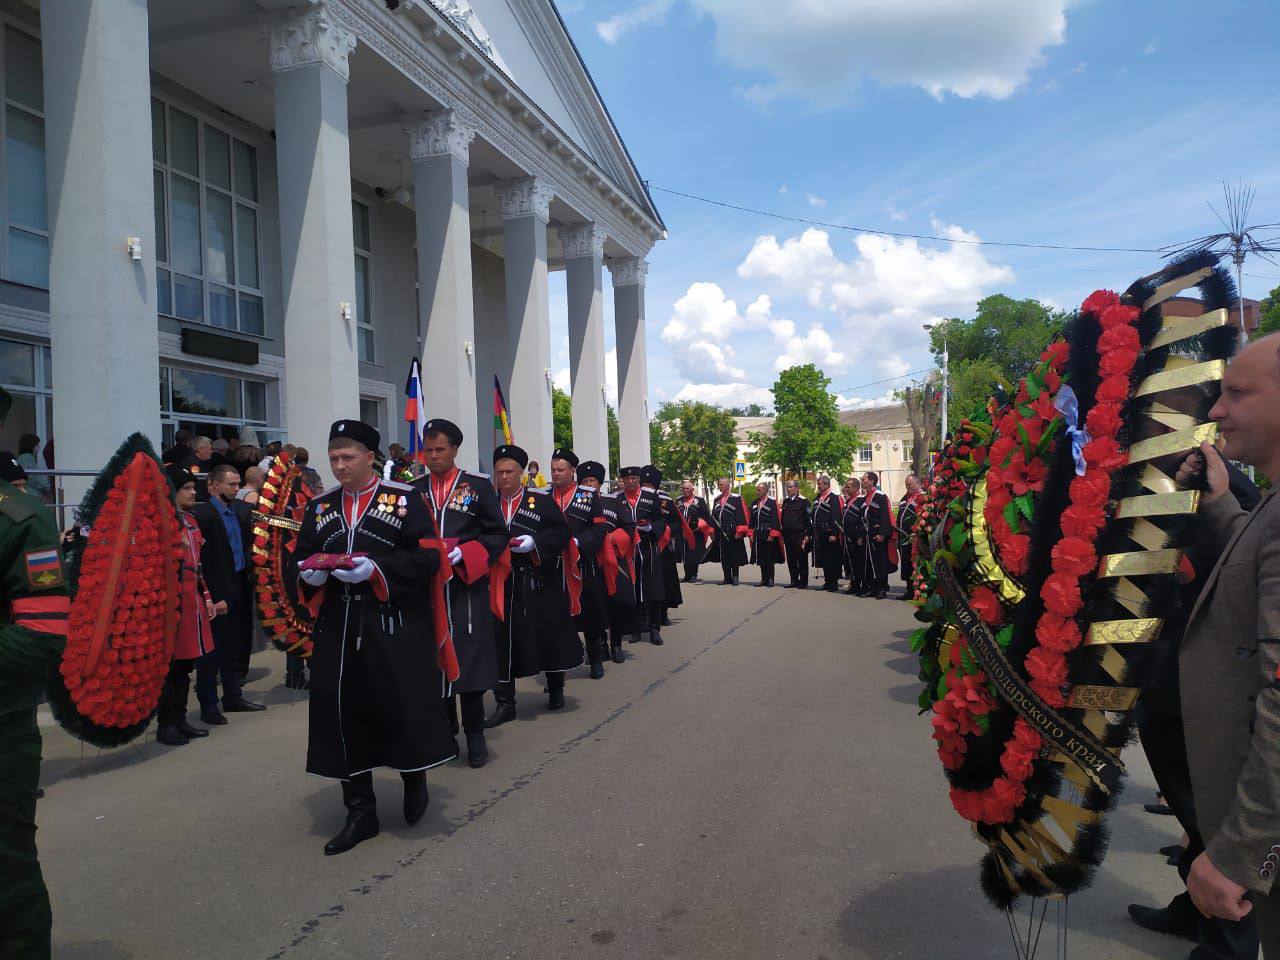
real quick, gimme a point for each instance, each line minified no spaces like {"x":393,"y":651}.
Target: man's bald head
{"x":1248,"y":411}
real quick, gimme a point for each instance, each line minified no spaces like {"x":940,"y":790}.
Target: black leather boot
{"x":477,"y":750}
{"x":555,"y":698}
{"x":171,"y":736}
{"x":616,"y":653}
{"x":504,"y":709}
{"x":597,"y":669}
{"x":362,"y":815}
{"x":655,"y":637}
{"x":416,"y":796}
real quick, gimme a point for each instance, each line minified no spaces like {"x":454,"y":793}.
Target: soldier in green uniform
{"x":33,"y":631}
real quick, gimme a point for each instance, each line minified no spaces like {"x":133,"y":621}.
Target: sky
{"x":1098,"y":123}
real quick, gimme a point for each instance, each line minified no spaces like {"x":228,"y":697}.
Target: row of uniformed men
{"x":857,"y":533}
{"x":503,"y":576}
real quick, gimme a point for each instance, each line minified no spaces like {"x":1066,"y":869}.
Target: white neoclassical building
{"x":233,"y":213}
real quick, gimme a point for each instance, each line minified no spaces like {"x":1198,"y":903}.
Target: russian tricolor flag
{"x":414,"y":412}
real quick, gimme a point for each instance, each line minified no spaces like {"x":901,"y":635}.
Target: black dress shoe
{"x":190,"y":732}
{"x":297,"y":683}
{"x":416,"y":796}
{"x":831,"y":589}
{"x":597,"y":670}
{"x":477,"y":750}
{"x":555,"y":699}
{"x":1163,"y":920}
{"x":360,"y":826}
{"x":1159,"y":809}
{"x":213,"y":716}
{"x":726,"y":582}
{"x":502,"y":713}
{"x":882,"y":595}
{"x":171,"y":736}
{"x":241,"y":705}
{"x":1172,"y":850}
{"x":616,"y":653}
{"x":655,"y":637}
{"x":666,"y":621}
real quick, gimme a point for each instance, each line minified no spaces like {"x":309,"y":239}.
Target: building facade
{"x":886,"y":448}
{"x":254,"y":213}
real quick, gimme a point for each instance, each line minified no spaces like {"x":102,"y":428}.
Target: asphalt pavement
{"x":761,"y":786}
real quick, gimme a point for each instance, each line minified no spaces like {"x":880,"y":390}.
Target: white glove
{"x":313,"y":578}
{"x":455,"y":556}
{"x":644,"y":527}
{"x":360,"y":573}
{"x":524,"y":544}
{"x":576,"y":543}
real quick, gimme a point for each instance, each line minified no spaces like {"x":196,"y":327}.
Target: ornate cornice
{"x":312,"y":36}
{"x":425,"y":65}
{"x":463,"y":17}
{"x":629,"y":272}
{"x":530,"y":197}
{"x":442,"y":133}
{"x":582,"y":240}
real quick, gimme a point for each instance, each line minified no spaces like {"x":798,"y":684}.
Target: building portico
{"x":338,"y":186}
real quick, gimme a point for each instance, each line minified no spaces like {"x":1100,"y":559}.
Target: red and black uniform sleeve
{"x":33,"y":630}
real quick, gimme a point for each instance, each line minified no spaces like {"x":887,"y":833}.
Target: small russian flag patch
{"x":44,"y":569}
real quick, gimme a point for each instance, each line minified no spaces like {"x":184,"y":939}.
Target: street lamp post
{"x":946,"y":377}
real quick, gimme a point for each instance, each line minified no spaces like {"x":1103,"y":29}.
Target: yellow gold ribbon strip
{"x":1157,"y":481}
{"x":1130,"y":596}
{"x":1170,"y":443}
{"x":1069,"y":816}
{"x":1147,"y":535}
{"x":1175,"y":287}
{"x":1174,"y":377}
{"x":1091,"y":697}
{"x":1113,"y":663}
{"x":1172,"y":418}
{"x":1184,"y":328}
{"x":1137,"y":630}
{"x":1159,"y":505}
{"x":1139,"y":563}
{"x":984,"y":557}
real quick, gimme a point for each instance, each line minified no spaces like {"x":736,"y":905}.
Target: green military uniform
{"x":33,"y":631}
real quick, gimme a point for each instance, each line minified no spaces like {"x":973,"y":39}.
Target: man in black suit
{"x":225,"y":523}
{"x":797,"y":532}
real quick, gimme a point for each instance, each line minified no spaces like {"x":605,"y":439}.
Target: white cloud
{"x":700,"y":331}
{"x":651,"y":12}
{"x":893,"y":365}
{"x":816,"y":201}
{"x":896,"y":215}
{"x":822,"y":49}
{"x":1150,"y":48}
{"x":886,"y":399}
{"x":888,"y":286}
{"x":561,"y":379}
{"x":726,"y":394}
{"x":783,"y":189}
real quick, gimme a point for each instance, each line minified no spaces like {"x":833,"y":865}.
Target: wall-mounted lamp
{"x":467,"y":347}
{"x":133,"y":246}
{"x":546,"y":372}
{"x":344,"y":310}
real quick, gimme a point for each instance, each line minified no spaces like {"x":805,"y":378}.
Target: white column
{"x":102,"y":301}
{"x":440,"y":147}
{"x":584,"y":260}
{"x":633,"y":371}
{"x":313,"y":163}
{"x":525,"y":212}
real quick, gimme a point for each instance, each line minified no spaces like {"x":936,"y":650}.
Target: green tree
{"x":806,"y":433}
{"x":562,"y":426}
{"x":1269,"y":313}
{"x":922,"y":400}
{"x":561,"y":418}
{"x":972,"y":385}
{"x":750,"y":410}
{"x":692,"y":439}
{"x":1008,"y":333}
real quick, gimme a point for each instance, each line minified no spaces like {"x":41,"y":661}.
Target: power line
{"x":899,"y":234}
{"x":873,"y":383}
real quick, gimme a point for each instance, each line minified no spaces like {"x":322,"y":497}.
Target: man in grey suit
{"x":1230,"y":659}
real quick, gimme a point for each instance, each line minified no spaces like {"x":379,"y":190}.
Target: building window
{"x":208,"y":268}
{"x":908,"y":451}
{"x":371,"y":412}
{"x":213,"y":405}
{"x":26,"y":372}
{"x":364,"y":281}
{"x":26,"y":214}
{"x":864,"y":453}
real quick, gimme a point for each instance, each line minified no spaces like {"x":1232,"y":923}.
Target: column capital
{"x":629,"y":272}
{"x":582,"y":240}
{"x":530,"y":197}
{"x":309,"y":36}
{"x":442,"y":133}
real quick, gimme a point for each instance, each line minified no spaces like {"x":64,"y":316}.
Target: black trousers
{"x":691,"y":564}
{"x":173,"y":695}
{"x":231,"y":646}
{"x":875,"y":577}
{"x":730,"y":570}
{"x":908,"y":569}
{"x":472,"y":712}
{"x":831,"y":563}
{"x":1163,"y":741}
{"x":797,"y":559}
{"x":25,"y":918}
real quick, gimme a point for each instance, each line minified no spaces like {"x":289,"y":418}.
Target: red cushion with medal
{"x":330,"y":561}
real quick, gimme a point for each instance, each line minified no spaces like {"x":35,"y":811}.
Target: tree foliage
{"x":692,"y":439}
{"x":562,"y":428}
{"x":750,"y":410}
{"x":807,"y":433}
{"x":1269,"y":313}
{"x":1009,"y":333}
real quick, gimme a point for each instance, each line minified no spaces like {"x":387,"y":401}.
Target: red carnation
{"x":1061,"y":595}
{"x":1119,"y":338}
{"x":1091,"y":490}
{"x":1050,"y":669}
{"x":1052,"y":380}
{"x":1113,"y":390}
{"x":1104,"y":420}
{"x":1117,"y":363}
{"x":1043,"y":406}
{"x":1117,"y":315}
{"x":1098,"y":301}
{"x":1056,"y":353}
{"x":1057,"y":634}
{"x":1072,"y":555}
{"x":1025,"y":736}
{"x":1016,"y":764}
{"x":986,"y":605}
{"x":1015,"y":551}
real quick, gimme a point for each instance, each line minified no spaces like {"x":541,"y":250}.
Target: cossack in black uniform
{"x":797,"y":532}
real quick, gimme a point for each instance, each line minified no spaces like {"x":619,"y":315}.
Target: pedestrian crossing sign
{"x":740,"y":469}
